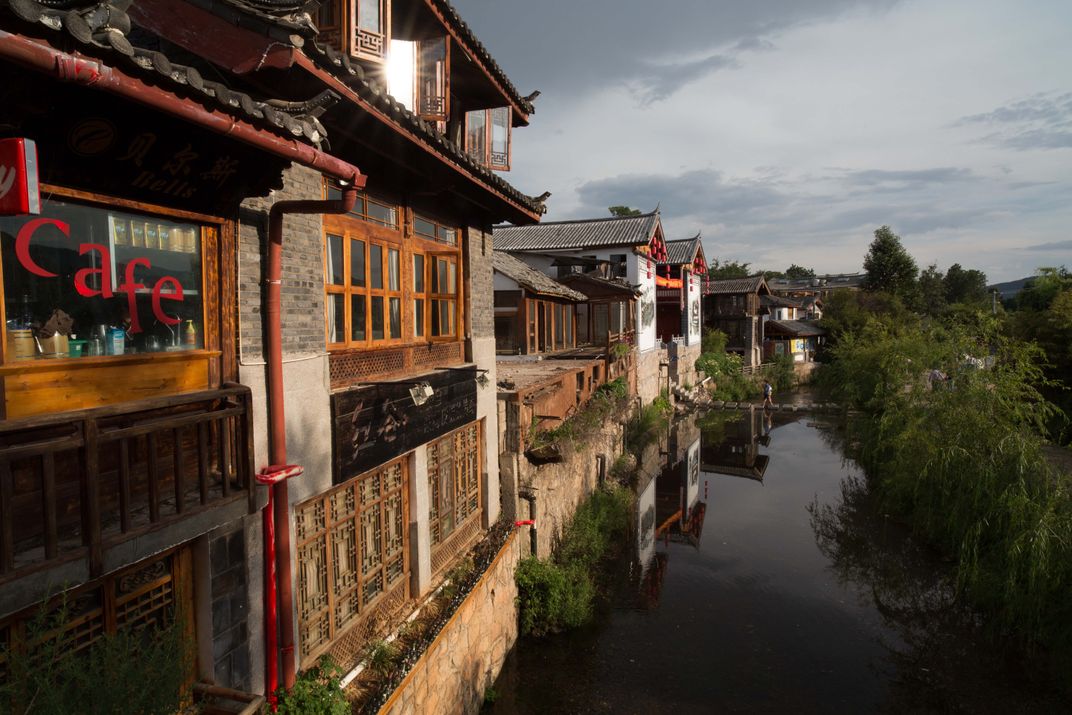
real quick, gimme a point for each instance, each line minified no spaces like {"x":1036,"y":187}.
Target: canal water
{"x":763,"y":579}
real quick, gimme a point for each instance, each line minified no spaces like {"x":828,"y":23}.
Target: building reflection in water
{"x":737,"y":453}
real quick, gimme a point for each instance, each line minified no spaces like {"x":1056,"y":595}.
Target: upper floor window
{"x":433,"y":78}
{"x":487,"y":137}
{"x":327,"y":15}
{"x":370,"y":20}
{"x":618,"y":265}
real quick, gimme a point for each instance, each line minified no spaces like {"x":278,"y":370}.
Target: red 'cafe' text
{"x":128,"y":286}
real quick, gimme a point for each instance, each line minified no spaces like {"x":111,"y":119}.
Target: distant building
{"x":821,"y":286}
{"x":678,"y":291}
{"x":735,"y":307}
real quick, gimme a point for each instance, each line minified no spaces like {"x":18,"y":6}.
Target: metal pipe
{"x":277,"y":421}
{"x":271,"y":617}
{"x":530,"y":497}
{"x":91,"y":73}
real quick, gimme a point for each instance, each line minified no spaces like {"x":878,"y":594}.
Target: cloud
{"x":661,"y":81}
{"x":1041,"y":121}
{"x":909,"y":178}
{"x":1052,"y":246}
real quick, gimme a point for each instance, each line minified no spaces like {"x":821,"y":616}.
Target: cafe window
{"x":453,"y":481}
{"x":443,"y":298}
{"x":84,"y":281}
{"x":352,"y":554}
{"x":364,"y":290}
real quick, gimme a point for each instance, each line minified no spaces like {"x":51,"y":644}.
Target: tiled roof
{"x":338,"y":63}
{"x":102,"y":29}
{"x":615,"y":285}
{"x":832,"y":280}
{"x":736,"y":285}
{"x":681,"y":252}
{"x":781,"y":301}
{"x":797,"y":328}
{"x":587,"y":233}
{"x":485,"y":57}
{"x":531,"y":278}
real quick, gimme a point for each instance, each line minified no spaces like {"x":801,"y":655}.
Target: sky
{"x":787,"y":131}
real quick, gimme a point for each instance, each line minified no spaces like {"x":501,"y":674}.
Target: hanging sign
{"x":19,"y":189}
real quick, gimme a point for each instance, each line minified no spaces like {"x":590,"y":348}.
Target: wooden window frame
{"x":440,"y":78}
{"x":217,"y":354}
{"x":357,"y":227}
{"x":366,"y":44}
{"x":470,"y":470}
{"x":486,"y":157}
{"x":322,"y":523}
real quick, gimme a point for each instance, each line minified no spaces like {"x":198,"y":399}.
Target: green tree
{"x":889,"y":266}
{"x":622,"y":211}
{"x":723,"y":270}
{"x":795,"y":272}
{"x":964,"y":286}
{"x":932,"y":290}
{"x":1043,"y":288}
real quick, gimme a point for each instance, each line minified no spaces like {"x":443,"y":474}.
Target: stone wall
{"x":557,"y":487}
{"x":651,"y":376}
{"x":469,"y":652}
{"x":303,"y":269}
{"x":479,"y":299}
{"x":682,"y":359}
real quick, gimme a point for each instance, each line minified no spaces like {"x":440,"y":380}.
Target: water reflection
{"x":765,"y":579}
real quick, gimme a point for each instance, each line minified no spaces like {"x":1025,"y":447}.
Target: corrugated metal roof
{"x":681,"y":252}
{"x":531,"y":278}
{"x":586,"y":233}
{"x":736,"y":285}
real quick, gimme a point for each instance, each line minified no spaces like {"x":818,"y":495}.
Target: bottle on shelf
{"x":189,"y":335}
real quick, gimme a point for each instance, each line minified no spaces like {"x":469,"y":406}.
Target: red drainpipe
{"x":80,"y":70}
{"x":279,"y":499}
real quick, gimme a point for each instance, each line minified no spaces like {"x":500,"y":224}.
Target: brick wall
{"x":479,"y":301}
{"x":303,"y":270}
{"x":230,"y":630}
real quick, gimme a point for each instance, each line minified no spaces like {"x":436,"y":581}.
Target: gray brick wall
{"x":479,"y":301}
{"x":230,"y":630}
{"x":303,"y":270}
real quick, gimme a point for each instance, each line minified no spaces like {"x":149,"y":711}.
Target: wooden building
{"x":734,"y":307}
{"x":534,"y":314}
{"x":174,"y":163}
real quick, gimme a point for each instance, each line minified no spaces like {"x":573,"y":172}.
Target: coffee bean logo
{"x":91,"y":137}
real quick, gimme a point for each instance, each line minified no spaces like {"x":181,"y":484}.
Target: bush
{"x":648,"y":424}
{"x":108,"y":677}
{"x":558,"y":594}
{"x":607,"y":399}
{"x":963,"y":463}
{"x":316,"y":691}
{"x":724,"y":369}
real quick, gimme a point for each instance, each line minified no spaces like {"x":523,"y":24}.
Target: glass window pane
{"x":476,"y":135}
{"x":336,"y":318}
{"x":335,"y":262}
{"x":446,"y":317}
{"x":418,"y":273}
{"x":357,"y":263}
{"x":418,"y":317}
{"x":395,"y":309}
{"x":382,"y":214}
{"x":369,"y":16}
{"x":118,"y":283}
{"x":394,"y":275}
{"x":334,"y":192}
{"x":433,"y":77}
{"x":447,"y":235}
{"x":452,"y":277}
{"x":500,"y":136}
{"x":441,"y":274}
{"x":424,"y":227}
{"x":436,"y":331}
{"x":357,"y":317}
{"x":375,"y":266}
{"x":377,"y":317}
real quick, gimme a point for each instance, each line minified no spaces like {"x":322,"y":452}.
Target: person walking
{"x":768,"y":393}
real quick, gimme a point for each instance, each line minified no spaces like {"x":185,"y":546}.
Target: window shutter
{"x":434,"y":79}
{"x":499,"y":133}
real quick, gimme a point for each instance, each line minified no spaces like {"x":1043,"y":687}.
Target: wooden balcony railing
{"x":73,"y":483}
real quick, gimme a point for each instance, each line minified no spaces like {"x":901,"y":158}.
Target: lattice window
{"x":352,"y":549}
{"x":454,"y":481}
{"x":142,"y":596}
